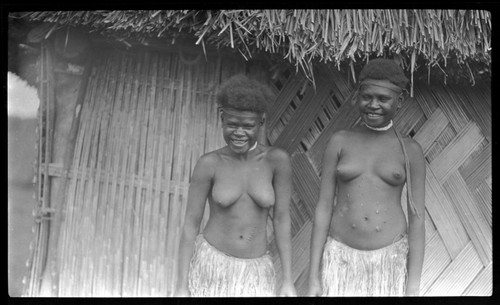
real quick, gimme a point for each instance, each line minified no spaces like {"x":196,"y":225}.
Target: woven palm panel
{"x":146,"y":119}
{"x":453,"y":127}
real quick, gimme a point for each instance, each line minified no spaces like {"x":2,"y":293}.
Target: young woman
{"x":242,"y":181}
{"x":372,"y":249}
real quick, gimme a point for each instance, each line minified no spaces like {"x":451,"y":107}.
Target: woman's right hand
{"x":315,"y":288}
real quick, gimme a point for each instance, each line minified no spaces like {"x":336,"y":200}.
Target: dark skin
{"x":241,"y":186}
{"x":365,"y":171}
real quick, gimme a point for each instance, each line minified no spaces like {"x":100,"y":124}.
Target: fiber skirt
{"x":351,"y":272}
{"x":213,"y":273}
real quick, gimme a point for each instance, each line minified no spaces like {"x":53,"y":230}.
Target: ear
{"x":401,"y":98}
{"x":263,"y":119}
{"x":400,"y":102}
{"x":221,"y":114}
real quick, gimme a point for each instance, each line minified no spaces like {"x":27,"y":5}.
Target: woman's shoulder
{"x":413,"y":148}
{"x":210,"y":158}
{"x":276,"y":153}
{"x":342,"y":135}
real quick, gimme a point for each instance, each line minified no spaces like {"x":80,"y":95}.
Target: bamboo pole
{"x":137,"y":167}
{"x":145,"y":253}
{"x":157,"y":271}
{"x":125,"y":193}
{"x":113,"y":276}
{"x":48,"y":92}
{"x":114,"y":203}
{"x":74,"y":193}
{"x":90,"y":205}
{"x":76,"y":241}
{"x":111,"y":159}
{"x":68,"y":157}
{"x":39,"y":229}
{"x":172,"y":93}
{"x":102,"y":182}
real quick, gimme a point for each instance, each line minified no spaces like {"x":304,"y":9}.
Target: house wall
{"x":147,"y":116}
{"x":452,"y":123}
{"x":145,"y":119}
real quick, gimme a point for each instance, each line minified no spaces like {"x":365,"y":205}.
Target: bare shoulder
{"x":414,"y":147}
{"x":414,"y":150}
{"x":277,"y":155}
{"x":339,"y":137}
{"x":208,"y":160}
{"x":342,"y":135}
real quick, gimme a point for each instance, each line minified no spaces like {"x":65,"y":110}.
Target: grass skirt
{"x":213,"y":273}
{"x":352,"y":272}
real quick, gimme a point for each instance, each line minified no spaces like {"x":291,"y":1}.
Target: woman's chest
{"x":383,"y":163}
{"x":252,"y":181}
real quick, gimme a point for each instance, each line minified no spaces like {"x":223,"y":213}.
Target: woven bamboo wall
{"x":453,"y":125}
{"x":147,"y":117}
{"x":145,"y":120}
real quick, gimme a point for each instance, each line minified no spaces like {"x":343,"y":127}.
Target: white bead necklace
{"x":380,"y":128}
{"x":253,"y":147}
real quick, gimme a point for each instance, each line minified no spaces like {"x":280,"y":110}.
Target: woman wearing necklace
{"x":242,"y":182}
{"x":372,"y":249}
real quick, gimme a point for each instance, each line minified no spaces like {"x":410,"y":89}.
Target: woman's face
{"x":240,"y":129}
{"x":377,"y":104}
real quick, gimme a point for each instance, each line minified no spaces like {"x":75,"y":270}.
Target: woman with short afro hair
{"x":242,"y":182}
{"x":372,"y":249}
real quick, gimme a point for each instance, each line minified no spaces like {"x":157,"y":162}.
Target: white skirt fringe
{"x":351,"y":272}
{"x":213,"y":273}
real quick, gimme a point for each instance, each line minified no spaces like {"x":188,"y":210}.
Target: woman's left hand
{"x":288,"y":290}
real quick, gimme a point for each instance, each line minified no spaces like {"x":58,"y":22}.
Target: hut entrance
{"x":146,"y":117}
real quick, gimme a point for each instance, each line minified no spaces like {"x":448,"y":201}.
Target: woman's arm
{"x":201,"y":181}
{"x":323,"y":212}
{"x":416,"y":234}
{"x":282,"y":183}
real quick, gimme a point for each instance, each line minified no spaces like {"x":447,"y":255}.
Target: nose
{"x":239,"y":131}
{"x":373,"y":103}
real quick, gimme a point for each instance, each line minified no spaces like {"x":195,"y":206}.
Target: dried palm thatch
{"x":427,"y":37}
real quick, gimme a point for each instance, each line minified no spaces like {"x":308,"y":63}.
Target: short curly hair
{"x":384,"y":69}
{"x":243,"y":93}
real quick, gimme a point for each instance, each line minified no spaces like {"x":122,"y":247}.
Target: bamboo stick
{"x":150,"y":149}
{"x":102,"y":183}
{"x":82,"y":191}
{"x":74,"y":192}
{"x":117,"y":133}
{"x":158,"y":178}
{"x":124,"y":194}
{"x":90,"y":203}
{"x":127,"y":288}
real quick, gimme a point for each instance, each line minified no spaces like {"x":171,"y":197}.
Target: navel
{"x":378,"y":229}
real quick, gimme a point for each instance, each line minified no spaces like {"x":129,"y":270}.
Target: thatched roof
{"x":417,"y":37}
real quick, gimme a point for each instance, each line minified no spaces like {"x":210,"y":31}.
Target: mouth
{"x":239,"y":143}
{"x":373,"y":115}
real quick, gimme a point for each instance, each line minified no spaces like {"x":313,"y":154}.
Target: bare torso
{"x":240,"y":198}
{"x":370,"y":176}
